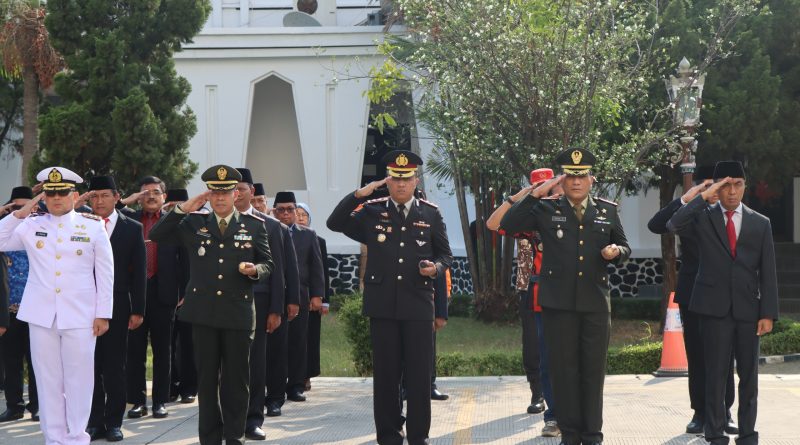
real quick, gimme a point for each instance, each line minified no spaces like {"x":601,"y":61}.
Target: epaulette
{"x":357,"y":209}
{"x":428,"y":202}
{"x":254,"y":216}
{"x":607,"y":201}
{"x":377,"y":200}
{"x":91,"y":216}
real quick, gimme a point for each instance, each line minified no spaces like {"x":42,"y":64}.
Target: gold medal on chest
{"x":236,"y":244}
{"x":79,"y":252}
{"x":381,"y":237}
{"x":201,"y":251}
{"x":560,"y":233}
{"x":39,"y":244}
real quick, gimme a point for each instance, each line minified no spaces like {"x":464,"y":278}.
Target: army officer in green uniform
{"x":228,"y":254}
{"x":580,"y":235}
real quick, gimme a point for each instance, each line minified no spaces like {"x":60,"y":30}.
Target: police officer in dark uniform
{"x":581,"y":234}
{"x":407,"y":242}
{"x":228,"y":254}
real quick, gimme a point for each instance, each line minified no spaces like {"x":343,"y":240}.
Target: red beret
{"x":541,"y":175}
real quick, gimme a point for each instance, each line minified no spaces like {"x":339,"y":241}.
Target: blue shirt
{"x":17,"y":275}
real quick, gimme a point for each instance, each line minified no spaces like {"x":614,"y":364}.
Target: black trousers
{"x":298,"y":355}
{"x":695,"y":356}
{"x":401,"y":348}
{"x":278,"y":362}
{"x":223,"y":376}
{"x":110,"y":353}
{"x":314,"y":336}
{"x":16,"y":348}
{"x":720,"y":337}
{"x":157,"y":326}
{"x":579,"y":342}
{"x":258,"y":368}
{"x":530,"y":343}
{"x":183,"y":373}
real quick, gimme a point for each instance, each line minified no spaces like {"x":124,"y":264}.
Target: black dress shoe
{"x":731,"y":427}
{"x":8,"y":415}
{"x":273,"y":409}
{"x":536,"y":406}
{"x":159,"y":411}
{"x":188,"y":399}
{"x":173,"y":398}
{"x":696,"y":425}
{"x":255,"y":433}
{"x":95,"y":432}
{"x":114,"y":434}
{"x":295,"y":396}
{"x":137,"y":411}
{"x":438,"y":395}
{"x":34,"y":417}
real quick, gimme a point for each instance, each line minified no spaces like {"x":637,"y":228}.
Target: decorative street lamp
{"x":686,"y":97}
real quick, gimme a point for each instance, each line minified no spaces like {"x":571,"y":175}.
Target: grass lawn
{"x":467,"y":336}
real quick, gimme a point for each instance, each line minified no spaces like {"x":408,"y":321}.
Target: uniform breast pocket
{"x":602,"y":234}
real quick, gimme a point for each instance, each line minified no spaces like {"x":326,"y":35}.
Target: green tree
{"x":507,"y":84}
{"x":123,"y":110}
{"x":10,"y":115}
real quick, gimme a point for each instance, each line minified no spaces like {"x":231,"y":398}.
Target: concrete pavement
{"x":640,"y":410}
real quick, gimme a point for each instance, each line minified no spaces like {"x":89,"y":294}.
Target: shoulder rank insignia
{"x":254,"y":216}
{"x":428,"y":203}
{"x":357,"y":209}
{"x":91,"y":216}
{"x":607,"y":201}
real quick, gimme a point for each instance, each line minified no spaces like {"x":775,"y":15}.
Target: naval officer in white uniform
{"x":67,"y":300}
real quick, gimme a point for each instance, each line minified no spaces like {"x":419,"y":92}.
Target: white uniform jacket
{"x":71,"y":276}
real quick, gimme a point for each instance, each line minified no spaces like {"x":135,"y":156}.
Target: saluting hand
{"x":27,"y":209}
{"x":196,"y":202}
{"x":367,"y":190}
{"x":714,"y":188}
{"x":696,"y":190}
{"x":544,"y":189}
{"x":522,"y":193}
{"x":610,"y":252}
{"x":131,"y":198}
{"x":100,"y":326}
{"x":83,"y":199}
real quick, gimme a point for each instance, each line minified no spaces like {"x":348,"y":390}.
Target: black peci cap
{"x":246,"y":175}
{"x":259,"y":189}
{"x":102,"y":183}
{"x":725,"y":169}
{"x":283,"y":197}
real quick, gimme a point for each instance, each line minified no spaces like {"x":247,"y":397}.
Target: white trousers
{"x":63,"y":360}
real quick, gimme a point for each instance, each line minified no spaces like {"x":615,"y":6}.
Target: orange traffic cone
{"x":673,"y":353}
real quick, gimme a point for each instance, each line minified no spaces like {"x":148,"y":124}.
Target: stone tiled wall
{"x":625,"y":279}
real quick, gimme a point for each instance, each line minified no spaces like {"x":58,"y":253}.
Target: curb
{"x":772,"y":359}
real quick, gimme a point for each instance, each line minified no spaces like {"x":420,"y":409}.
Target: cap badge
{"x":222,"y":173}
{"x":54,"y":176}
{"x":576,"y":157}
{"x":401,"y":160}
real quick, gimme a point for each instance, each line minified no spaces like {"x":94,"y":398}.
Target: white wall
{"x":10,"y":173}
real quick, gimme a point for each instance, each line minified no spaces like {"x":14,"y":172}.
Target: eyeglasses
{"x":51,"y":193}
{"x":285,"y":209}
{"x":153,"y":192}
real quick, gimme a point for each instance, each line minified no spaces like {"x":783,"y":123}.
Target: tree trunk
{"x":666,"y":190}
{"x":463,"y":216}
{"x":30,"y":120}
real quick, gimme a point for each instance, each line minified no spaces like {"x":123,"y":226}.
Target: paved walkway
{"x":639,"y":410}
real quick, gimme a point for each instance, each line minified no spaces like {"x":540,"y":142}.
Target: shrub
{"x":461,"y":305}
{"x":495,"y":363}
{"x":356,"y":328}
{"x":636,"y":308}
{"x":634,"y":359}
{"x":785,"y":339}
{"x":338,"y":300}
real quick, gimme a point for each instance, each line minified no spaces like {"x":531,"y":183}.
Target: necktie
{"x":401,"y":209}
{"x":222,"y":226}
{"x":579,"y":211}
{"x":106,"y":220}
{"x":731,"y":229}
{"x":151,"y":247}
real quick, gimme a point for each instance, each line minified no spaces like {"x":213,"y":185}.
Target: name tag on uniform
{"x":242,"y":237}
{"x":41,"y":233}
{"x":80,"y":239}
{"x":559,"y":219}
{"x":421,"y":224}
{"x":602,"y":221}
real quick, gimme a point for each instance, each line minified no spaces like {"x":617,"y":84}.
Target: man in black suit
{"x":167,"y":274}
{"x":270,"y":295}
{"x":127,"y":243}
{"x":581,"y":234}
{"x":692,"y":339}
{"x":309,"y":266}
{"x":407,"y":242}
{"x":735,"y":293}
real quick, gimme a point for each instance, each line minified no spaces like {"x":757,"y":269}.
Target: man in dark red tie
{"x":735,"y":293}
{"x":167,"y":274}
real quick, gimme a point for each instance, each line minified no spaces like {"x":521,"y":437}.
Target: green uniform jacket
{"x":217,"y":295}
{"x":574,"y":275}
